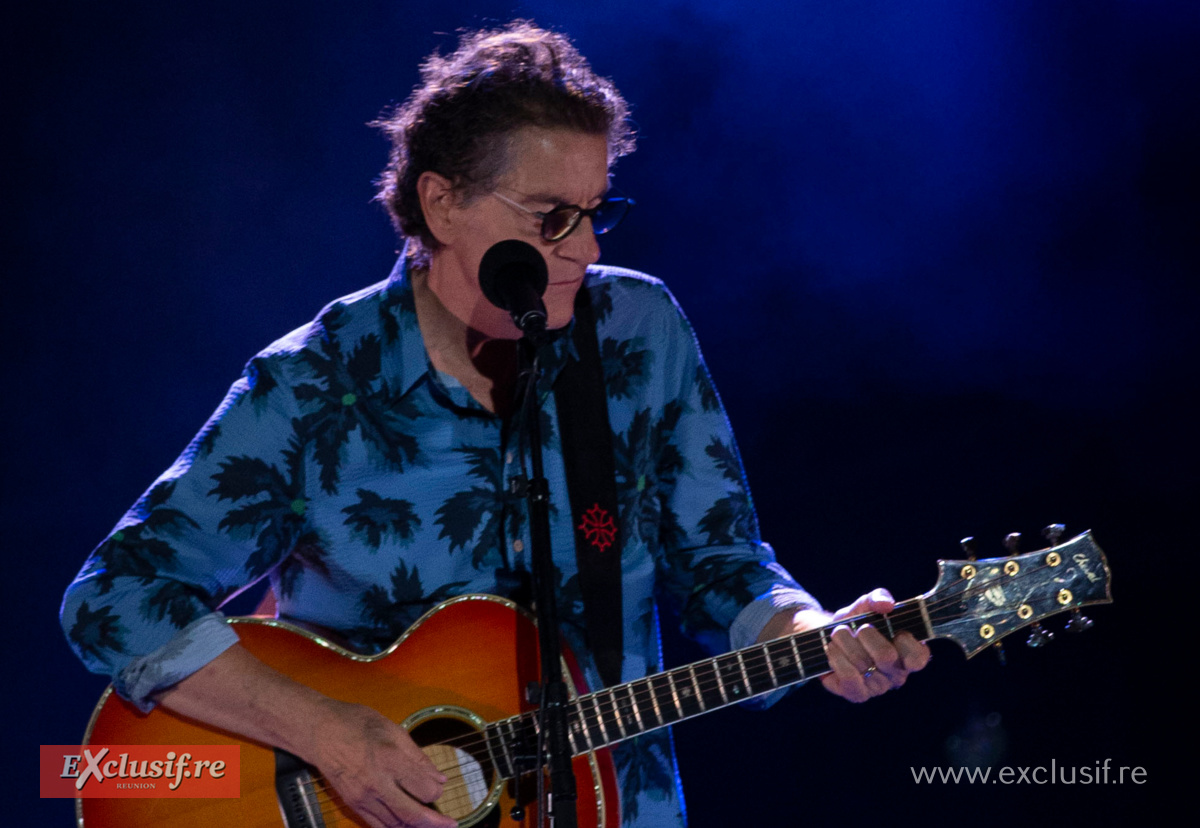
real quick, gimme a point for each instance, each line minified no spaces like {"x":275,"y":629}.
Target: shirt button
{"x":508,"y":458}
{"x":518,"y":545}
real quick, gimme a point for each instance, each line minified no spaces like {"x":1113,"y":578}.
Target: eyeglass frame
{"x":580,"y":214}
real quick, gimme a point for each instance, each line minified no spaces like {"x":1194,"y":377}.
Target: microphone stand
{"x":558,"y":803}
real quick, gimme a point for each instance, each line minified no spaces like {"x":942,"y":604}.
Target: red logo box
{"x":141,"y":771}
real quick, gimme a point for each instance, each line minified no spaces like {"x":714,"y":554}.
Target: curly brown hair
{"x":457,"y":121}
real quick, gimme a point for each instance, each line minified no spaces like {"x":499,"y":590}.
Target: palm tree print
{"x":373,"y":518}
{"x":602,"y":304}
{"x":731,"y":517}
{"x":624,"y":367}
{"x":347,"y":396}
{"x":262,"y":381}
{"x":177,"y":601}
{"x":137,"y":550}
{"x":397,"y":308}
{"x":643,"y":768}
{"x":475,"y":516}
{"x":636,"y":450}
{"x":93,"y":633}
{"x":275,"y":520}
{"x":389,"y":613}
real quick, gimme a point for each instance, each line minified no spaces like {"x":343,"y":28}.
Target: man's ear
{"x":438,"y":199}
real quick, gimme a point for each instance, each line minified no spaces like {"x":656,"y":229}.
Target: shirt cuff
{"x":196,"y":644}
{"x":750,"y":622}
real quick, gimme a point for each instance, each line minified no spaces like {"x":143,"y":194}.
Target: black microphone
{"x":513,"y":277}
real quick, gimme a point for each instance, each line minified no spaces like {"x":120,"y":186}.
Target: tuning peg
{"x":969,"y":546}
{"x":1053,"y":532}
{"x":1079,"y":623}
{"x":1039,"y":636}
{"x":1012,"y":542}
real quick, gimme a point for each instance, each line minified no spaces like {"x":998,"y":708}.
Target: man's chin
{"x":560,"y":302}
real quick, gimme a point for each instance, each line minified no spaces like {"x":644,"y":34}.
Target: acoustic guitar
{"x":458,"y":682}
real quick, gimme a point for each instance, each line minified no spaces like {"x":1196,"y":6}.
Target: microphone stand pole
{"x":559,"y":802}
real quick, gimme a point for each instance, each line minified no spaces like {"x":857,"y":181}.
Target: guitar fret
{"x":689,"y":699}
{"x":781,"y":657}
{"x":668,"y":682}
{"x":711,"y":684}
{"x":658,"y":717}
{"x":573,"y":729}
{"x":589,"y":726}
{"x":637,"y":714}
{"x":508,"y":746}
{"x":745,"y":675}
{"x":770,"y":665}
{"x":796,"y":655}
{"x":616,"y":709}
{"x":492,"y":738}
{"x":756,"y":667}
{"x":709,"y":692}
{"x":716,"y":665}
{"x":729,"y":677}
{"x":925,"y":615}
{"x":604,"y":737}
{"x":612,"y":716}
{"x":891,"y":632}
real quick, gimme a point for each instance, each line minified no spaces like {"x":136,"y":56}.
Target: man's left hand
{"x":864,"y":662}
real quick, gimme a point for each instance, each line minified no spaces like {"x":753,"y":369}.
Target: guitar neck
{"x":623,"y":711}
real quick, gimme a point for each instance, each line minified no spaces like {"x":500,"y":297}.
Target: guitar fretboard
{"x":623,"y":711}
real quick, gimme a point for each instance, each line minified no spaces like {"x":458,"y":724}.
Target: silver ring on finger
{"x":870,"y":671}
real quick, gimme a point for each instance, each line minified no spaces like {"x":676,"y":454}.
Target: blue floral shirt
{"x":368,"y":487}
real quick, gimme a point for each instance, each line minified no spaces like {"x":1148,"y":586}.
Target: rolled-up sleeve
{"x":143,"y":607}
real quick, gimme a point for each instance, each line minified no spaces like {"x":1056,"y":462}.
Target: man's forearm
{"x":238,"y":693}
{"x":791,"y":621}
{"x":372,"y":761}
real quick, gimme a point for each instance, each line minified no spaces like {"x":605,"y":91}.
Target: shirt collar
{"x":398,"y":313}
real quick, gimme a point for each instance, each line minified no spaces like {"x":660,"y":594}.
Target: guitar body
{"x":465,"y":663}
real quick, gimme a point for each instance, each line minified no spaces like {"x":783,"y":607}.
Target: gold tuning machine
{"x":1078,"y":622}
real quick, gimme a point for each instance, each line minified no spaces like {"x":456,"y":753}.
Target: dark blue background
{"x":941,"y":256}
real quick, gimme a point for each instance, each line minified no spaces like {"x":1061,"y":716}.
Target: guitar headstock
{"x":978,"y":602}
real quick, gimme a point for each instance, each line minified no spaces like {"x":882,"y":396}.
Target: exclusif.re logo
{"x":117,"y":771}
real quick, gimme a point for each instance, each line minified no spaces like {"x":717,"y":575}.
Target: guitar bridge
{"x":296,"y":790}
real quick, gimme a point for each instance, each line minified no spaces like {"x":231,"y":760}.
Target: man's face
{"x":545,"y":169}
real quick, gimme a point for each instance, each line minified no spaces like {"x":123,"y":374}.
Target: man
{"x":364,"y":462}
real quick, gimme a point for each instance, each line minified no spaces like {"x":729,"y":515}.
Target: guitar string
{"x":460,"y":792}
{"x":457,"y":795}
{"x":755,"y":667}
{"x":456,"y":798}
{"x":524,"y":724}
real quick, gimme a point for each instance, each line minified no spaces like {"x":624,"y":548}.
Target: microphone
{"x":513,"y":277}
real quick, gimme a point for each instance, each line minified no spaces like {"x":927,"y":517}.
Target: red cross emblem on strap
{"x":598,"y":527}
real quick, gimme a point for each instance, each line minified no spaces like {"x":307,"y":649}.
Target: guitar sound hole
{"x":458,"y":749}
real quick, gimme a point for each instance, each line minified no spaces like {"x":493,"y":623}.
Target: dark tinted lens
{"x":559,"y":222}
{"x":609,"y":213}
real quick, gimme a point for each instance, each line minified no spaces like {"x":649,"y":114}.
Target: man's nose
{"x":581,"y":246}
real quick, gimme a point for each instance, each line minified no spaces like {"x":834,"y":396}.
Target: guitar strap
{"x":587,"y":447}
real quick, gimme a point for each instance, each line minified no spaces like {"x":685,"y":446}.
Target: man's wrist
{"x":792,"y":621}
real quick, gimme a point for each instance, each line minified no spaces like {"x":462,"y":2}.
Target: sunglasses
{"x":560,"y":222}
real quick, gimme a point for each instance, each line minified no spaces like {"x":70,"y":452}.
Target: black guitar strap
{"x":587,"y":447}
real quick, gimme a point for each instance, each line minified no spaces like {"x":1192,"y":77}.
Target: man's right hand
{"x":376,"y":767}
